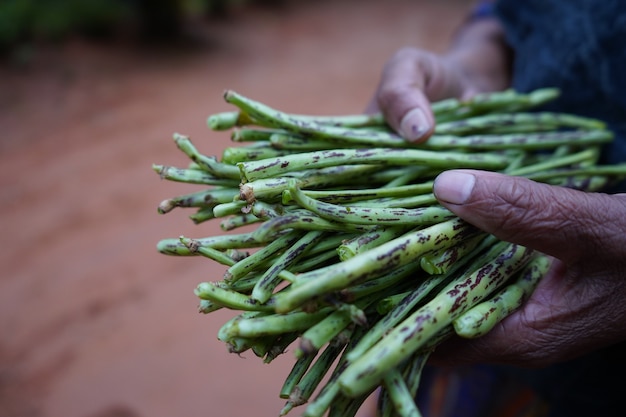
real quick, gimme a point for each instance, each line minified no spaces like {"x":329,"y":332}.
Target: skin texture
{"x":478,"y":61}
{"x":578,"y":307}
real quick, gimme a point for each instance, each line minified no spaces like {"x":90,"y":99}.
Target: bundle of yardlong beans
{"x":335,"y":249}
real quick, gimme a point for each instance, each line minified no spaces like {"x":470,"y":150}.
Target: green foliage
{"x":22,"y":20}
{"x":15,"y":16}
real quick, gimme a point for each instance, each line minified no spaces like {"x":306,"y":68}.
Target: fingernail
{"x":414,"y":124}
{"x":454,"y":187}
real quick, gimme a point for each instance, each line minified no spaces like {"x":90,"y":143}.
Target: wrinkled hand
{"x":579,"y":306}
{"x":410,"y":81}
{"x":478,"y":60}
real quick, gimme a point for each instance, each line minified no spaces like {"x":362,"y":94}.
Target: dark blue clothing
{"x":578,"y":46}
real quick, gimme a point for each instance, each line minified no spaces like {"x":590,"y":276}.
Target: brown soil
{"x":96,"y":323}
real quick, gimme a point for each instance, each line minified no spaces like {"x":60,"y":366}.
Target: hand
{"x":579,"y":305}
{"x":478,"y":61}
{"x":410,"y":81}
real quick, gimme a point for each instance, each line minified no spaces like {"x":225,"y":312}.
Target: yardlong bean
{"x":345,"y":250}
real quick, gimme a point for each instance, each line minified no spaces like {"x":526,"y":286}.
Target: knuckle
{"x":529,"y":342}
{"x":540,"y":349}
{"x":603,"y":223}
{"x":406,"y":53}
{"x":389,"y":94}
{"x":522,"y":205}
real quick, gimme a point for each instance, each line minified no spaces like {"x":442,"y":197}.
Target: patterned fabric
{"x":580,"y":47}
{"x":479,"y":391}
{"x":591,"y":385}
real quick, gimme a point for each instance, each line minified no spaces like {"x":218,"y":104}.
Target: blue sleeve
{"x":481,"y":10}
{"x":578,"y":46}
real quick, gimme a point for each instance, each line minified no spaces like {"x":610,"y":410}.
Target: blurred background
{"x":95,"y":322}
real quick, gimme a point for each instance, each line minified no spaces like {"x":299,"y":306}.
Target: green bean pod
{"x":228,"y":120}
{"x":272,"y":167}
{"x":173,"y":246}
{"x":529,"y":121}
{"x":228,"y":298}
{"x":401,"y":398}
{"x":270,"y":279}
{"x":365,"y":241}
{"x":415,"y":331}
{"x":192,"y":176}
{"x":275,"y":324}
{"x":311,"y":379}
{"x":481,"y":318}
{"x":208,"y":164}
{"x":375,"y":262}
{"x":376,"y":216}
{"x":303,"y":220}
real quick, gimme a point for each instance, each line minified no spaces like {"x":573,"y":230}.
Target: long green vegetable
{"x":334,"y":247}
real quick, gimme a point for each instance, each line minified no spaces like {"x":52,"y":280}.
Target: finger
{"x":372,"y":106}
{"x":567,"y":224}
{"x":411,"y":80}
{"x":401,"y":97}
{"x":511,"y":341}
{"x":555,"y":324}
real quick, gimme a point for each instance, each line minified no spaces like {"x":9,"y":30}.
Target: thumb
{"x":406,"y":108}
{"x":410,"y":81}
{"x":565,"y":223}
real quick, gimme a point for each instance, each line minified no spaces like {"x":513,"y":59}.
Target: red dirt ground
{"x":96,"y":323}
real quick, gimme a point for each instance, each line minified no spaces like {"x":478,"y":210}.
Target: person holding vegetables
{"x":562,"y":352}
